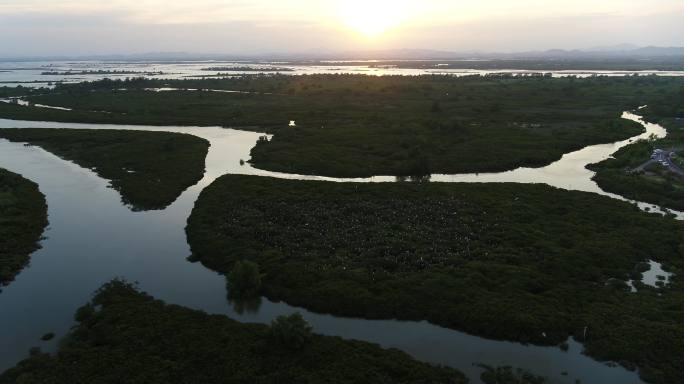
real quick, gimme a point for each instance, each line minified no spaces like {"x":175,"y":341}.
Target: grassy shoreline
{"x":124,"y":335}
{"x":23,"y":218}
{"x":526,"y":263}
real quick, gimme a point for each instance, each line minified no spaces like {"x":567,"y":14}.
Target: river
{"x":93,"y":238}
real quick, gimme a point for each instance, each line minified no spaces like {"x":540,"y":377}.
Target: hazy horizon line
{"x":324,"y":53}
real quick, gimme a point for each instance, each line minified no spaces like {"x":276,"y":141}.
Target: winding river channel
{"x":93,"y":237}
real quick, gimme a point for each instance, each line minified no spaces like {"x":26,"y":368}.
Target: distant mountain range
{"x":623,"y":51}
{"x":620,"y":51}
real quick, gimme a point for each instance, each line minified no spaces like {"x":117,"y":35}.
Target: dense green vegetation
{"x":508,"y":375}
{"x":528,"y":263}
{"x":655,"y":184}
{"x":350,"y":125}
{"x":244,"y":280}
{"x":292,"y":332}
{"x":149,"y":169}
{"x":15,"y":91}
{"x":128,"y":337}
{"x":23,"y":217}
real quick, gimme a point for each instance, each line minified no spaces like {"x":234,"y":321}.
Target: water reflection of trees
{"x":242,"y":305}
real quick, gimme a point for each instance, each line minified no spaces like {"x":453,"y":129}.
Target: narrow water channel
{"x":93,"y":238}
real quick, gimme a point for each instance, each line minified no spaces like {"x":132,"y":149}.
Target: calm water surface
{"x":93,"y":238}
{"x":30,"y":74}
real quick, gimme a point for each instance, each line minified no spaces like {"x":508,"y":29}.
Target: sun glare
{"x":373,"y":17}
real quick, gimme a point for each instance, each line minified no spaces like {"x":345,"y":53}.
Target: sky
{"x":87,"y":27}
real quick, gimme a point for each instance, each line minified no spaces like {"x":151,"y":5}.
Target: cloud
{"x":95,"y":26}
{"x":30,"y":20}
{"x":326,"y":11}
{"x":173,"y":12}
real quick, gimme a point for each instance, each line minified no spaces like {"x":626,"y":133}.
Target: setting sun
{"x":373,"y":17}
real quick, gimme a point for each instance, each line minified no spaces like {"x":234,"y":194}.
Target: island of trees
{"x":149,"y":169}
{"x":125,"y":336}
{"x":527,"y":263}
{"x":100,"y":72}
{"x":23,"y":218}
{"x":248,"y":69}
